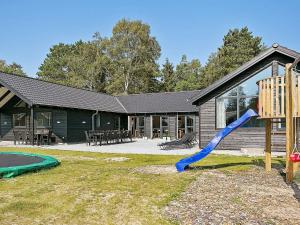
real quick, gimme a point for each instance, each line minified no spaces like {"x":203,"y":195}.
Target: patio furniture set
{"x":100,"y":137}
{"x":40,"y":137}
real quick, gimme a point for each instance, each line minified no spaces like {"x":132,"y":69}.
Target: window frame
{"x":14,"y":120}
{"x":50,"y":120}
{"x":164,"y":127}
{"x":140,"y":128}
{"x":238,"y":96}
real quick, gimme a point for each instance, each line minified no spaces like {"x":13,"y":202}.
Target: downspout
{"x":93,"y":120}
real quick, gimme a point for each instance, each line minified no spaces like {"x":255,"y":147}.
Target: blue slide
{"x":183,"y":163}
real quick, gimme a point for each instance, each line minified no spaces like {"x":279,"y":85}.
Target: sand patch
{"x":157,"y":169}
{"x":116,"y":159}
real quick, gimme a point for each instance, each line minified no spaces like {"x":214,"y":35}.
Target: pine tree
{"x":168,"y":76}
{"x":239,"y":46}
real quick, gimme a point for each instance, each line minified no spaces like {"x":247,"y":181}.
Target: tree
{"x":55,"y":66}
{"x":168,"y":76}
{"x":187,"y":75}
{"x":13,"y":68}
{"x":81,"y":65}
{"x":133,"y":53}
{"x":239,"y":46}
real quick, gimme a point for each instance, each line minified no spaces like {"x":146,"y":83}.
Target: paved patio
{"x":138,"y":146}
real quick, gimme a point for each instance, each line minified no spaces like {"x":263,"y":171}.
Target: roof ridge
{"x":118,"y":100}
{"x":163,"y":92}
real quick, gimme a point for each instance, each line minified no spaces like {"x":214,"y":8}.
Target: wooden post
{"x":268,"y":164}
{"x":199,"y":127}
{"x":289,"y":123}
{"x":32,"y":125}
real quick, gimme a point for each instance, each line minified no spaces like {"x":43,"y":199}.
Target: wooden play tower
{"x":279,"y":98}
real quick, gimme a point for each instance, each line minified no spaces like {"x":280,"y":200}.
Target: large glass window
{"x":155,"y":126}
{"x":185,"y":124}
{"x":190,"y":124}
{"x":281,"y":70}
{"x":43,"y":119}
{"x":165,"y":126}
{"x":234,"y":103}
{"x":180,"y":126}
{"x":141,"y":125}
{"x":19,"y":120}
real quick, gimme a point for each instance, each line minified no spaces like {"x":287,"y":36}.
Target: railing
{"x":272,"y":97}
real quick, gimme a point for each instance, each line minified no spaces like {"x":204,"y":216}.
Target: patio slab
{"x":138,"y":146}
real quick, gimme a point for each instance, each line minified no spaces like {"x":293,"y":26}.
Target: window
{"x":19,"y":120}
{"x":234,"y":103}
{"x":165,"y":126}
{"x":281,"y":70}
{"x":141,"y":125}
{"x":117,"y":121}
{"x":180,"y":126}
{"x":43,"y":119}
{"x":185,"y":124}
{"x":189,"y":124}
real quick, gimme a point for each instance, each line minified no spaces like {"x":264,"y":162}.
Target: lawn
{"x":88,"y":189}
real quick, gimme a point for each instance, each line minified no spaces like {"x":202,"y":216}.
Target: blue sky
{"x":192,"y":27}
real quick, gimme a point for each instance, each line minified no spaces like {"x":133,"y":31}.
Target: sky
{"x":192,"y":27}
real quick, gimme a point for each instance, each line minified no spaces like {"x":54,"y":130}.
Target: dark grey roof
{"x":37,"y":92}
{"x":164,"y":102}
{"x":227,"y":78}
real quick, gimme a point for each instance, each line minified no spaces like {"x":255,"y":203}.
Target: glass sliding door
{"x":160,"y":126}
{"x":180,"y":126}
{"x":156,"y":126}
{"x":190,"y":124}
{"x":165,"y":126}
{"x":141,"y":126}
{"x":185,"y":124}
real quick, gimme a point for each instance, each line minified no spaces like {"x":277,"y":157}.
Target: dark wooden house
{"x":28,"y":103}
{"x":228,"y":98}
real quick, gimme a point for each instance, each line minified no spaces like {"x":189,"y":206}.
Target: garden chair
{"x":187,"y":141}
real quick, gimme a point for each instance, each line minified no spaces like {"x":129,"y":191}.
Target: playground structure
{"x":279,"y":98}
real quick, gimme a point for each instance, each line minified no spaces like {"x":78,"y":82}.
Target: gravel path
{"x":251,"y":197}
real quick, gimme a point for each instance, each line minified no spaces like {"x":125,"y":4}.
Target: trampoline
{"x":16,"y":163}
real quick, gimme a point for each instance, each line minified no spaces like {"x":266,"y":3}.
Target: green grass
{"x":86,"y":189}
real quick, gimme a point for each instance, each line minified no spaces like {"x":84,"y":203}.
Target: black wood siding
{"x":78,"y":122}
{"x":242,"y":137}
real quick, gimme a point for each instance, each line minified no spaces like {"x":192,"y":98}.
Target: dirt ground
{"x":245,"y":197}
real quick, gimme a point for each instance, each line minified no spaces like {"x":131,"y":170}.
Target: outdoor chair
{"x":30,"y":138}
{"x":46,"y":137}
{"x":90,"y":137}
{"x":19,"y":137}
{"x":128,"y":135}
{"x":187,"y":141}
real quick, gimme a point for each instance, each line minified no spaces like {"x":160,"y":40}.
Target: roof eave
{"x":26,"y":100}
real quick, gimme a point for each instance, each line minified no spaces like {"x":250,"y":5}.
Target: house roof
{"x":163,"y":102}
{"x":38,"y":92}
{"x":235,"y":73}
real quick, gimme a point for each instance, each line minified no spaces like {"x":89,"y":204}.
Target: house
{"x":228,"y":98}
{"x":28,"y":103}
